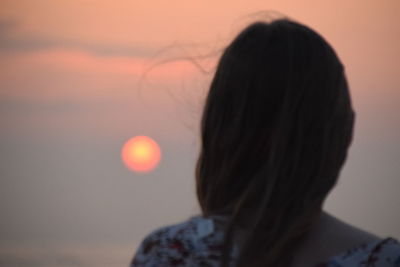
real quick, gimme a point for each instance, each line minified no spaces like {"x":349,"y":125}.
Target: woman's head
{"x":276,"y":127}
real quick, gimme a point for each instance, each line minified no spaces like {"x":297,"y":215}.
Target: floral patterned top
{"x":196,"y":242}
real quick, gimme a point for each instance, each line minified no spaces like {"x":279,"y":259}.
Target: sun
{"x":141,"y":154}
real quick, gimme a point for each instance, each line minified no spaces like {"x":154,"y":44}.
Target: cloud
{"x":23,"y":106}
{"x":6,"y":25}
{"x":11,"y":40}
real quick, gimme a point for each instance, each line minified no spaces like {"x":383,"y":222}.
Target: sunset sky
{"x":73,"y":90}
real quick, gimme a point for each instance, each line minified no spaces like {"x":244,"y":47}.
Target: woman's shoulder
{"x":338,"y":243}
{"x":180,"y":244}
{"x":382,"y":253}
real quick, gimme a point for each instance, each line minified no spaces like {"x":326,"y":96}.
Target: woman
{"x":276,"y":127}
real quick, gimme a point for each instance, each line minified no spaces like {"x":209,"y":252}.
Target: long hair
{"x":276,"y":127}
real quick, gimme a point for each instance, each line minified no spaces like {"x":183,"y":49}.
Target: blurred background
{"x":78,"y":78}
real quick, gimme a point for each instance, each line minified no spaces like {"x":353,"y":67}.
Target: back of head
{"x":275,"y":131}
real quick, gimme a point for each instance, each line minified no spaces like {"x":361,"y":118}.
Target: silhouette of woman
{"x":275,"y":131}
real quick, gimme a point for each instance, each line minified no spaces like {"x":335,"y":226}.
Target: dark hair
{"x":275,"y":131}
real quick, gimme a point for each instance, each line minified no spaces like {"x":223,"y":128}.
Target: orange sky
{"x":108,"y":40}
{"x":120,"y":36}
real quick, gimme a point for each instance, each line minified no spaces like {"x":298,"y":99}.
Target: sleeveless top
{"x":196,"y":242}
